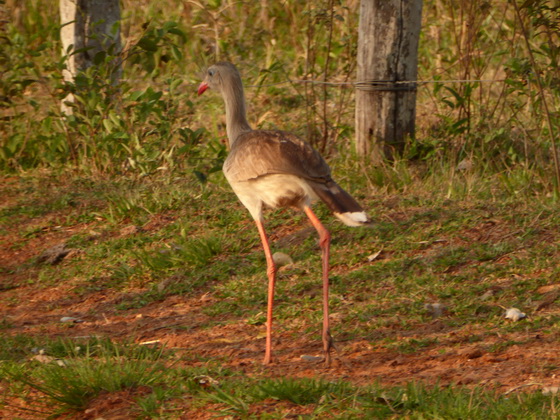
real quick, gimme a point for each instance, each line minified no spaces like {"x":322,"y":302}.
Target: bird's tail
{"x":341,"y":204}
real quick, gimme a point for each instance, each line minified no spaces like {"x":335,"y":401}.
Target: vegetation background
{"x":129,"y":189}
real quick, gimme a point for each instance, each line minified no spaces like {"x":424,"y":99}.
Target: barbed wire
{"x":379,"y":85}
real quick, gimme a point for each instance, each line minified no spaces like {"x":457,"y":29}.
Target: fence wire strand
{"x":379,"y":84}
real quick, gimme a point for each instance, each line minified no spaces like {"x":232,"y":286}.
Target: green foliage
{"x":495,"y":117}
{"x":148,"y":122}
{"x":114,"y":127}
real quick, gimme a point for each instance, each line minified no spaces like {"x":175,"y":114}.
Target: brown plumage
{"x":278,"y":169}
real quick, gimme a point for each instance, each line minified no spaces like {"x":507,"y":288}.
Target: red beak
{"x":203,"y":86}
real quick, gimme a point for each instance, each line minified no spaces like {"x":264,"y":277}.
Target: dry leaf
{"x":206,"y":381}
{"x":548,"y":288}
{"x":43,"y":358}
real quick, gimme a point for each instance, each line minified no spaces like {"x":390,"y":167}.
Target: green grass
{"x":433,"y":249}
{"x":82,"y":371}
{"x":85,"y":370}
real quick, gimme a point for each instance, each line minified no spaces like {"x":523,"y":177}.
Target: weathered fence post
{"x":89,"y":26}
{"x":387,"y":54}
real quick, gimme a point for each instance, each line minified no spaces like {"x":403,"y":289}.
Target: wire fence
{"x":378,"y":85}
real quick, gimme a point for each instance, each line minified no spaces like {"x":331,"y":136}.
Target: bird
{"x":275,"y":169}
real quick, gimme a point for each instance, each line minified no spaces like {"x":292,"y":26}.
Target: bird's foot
{"x":267,"y":359}
{"x":328,"y":344}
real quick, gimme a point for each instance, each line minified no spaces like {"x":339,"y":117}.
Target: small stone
{"x":514,"y":314}
{"x":70,"y":319}
{"x":281,"y":259}
{"x":309,"y":358}
{"x":435,"y":309}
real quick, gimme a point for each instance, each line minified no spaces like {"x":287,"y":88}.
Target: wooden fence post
{"x":387,"y":53}
{"x":89,"y":27}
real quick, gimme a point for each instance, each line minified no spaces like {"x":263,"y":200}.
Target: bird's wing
{"x":259,"y":153}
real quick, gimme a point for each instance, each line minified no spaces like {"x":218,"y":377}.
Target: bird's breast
{"x":274,"y":190}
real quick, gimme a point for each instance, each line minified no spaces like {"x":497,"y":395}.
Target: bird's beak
{"x":203,"y":86}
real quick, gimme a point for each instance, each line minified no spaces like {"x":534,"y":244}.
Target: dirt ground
{"x":452,"y":359}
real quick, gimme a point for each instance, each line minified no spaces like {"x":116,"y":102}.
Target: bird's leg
{"x":271,"y":273}
{"x":324,"y":243}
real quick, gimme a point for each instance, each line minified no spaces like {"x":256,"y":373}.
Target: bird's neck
{"x":236,"y":119}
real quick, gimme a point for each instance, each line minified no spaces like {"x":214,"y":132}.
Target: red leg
{"x":271,"y":273}
{"x":324,"y":243}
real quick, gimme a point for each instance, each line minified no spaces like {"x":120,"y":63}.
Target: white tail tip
{"x":358,"y":218}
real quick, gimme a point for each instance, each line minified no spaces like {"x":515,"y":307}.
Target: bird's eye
{"x":211,"y":72}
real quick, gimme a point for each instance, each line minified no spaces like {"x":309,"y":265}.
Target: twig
{"x":515,"y":388}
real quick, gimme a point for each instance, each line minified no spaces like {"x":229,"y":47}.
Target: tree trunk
{"x":387,"y":53}
{"x":88,"y":27}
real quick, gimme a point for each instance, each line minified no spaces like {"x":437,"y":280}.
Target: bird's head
{"x":218,"y":76}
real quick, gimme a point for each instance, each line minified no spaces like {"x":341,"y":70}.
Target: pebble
{"x":514,"y":314}
{"x":309,"y":358}
{"x":70,"y":319}
{"x":281,"y":259}
{"x":435,"y":309}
